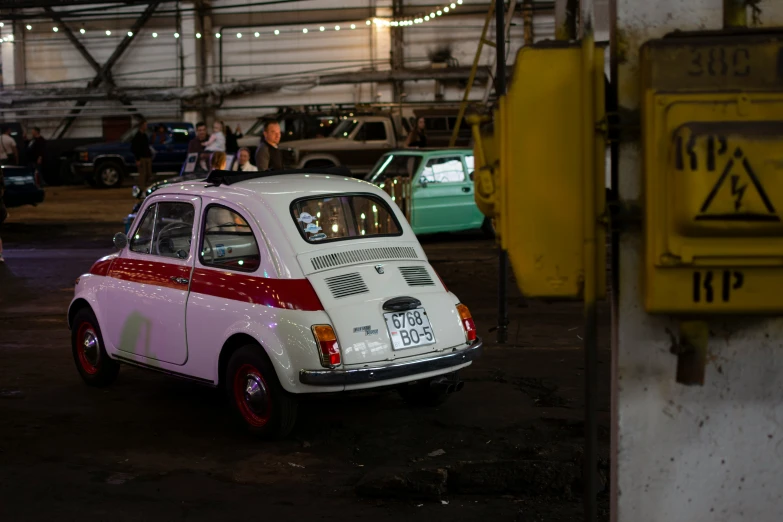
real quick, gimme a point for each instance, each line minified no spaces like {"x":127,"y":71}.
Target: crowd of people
{"x":224,"y":140}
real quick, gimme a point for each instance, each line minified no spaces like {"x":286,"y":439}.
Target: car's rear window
{"x":343,"y":216}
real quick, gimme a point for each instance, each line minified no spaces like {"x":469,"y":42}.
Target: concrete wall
{"x":711,"y":453}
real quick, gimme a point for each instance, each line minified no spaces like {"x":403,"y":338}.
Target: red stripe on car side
{"x":101,"y":267}
{"x":149,"y":272}
{"x":292,"y":294}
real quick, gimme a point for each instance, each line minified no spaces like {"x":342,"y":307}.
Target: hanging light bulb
{"x":239,"y":35}
{"x":369,"y":22}
{"x":322,"y":28}
{"x":446,"y":9}
{"x":29,"y":27}
{"x":427,"y":18}
{"x":130,"y":33}
{"x":277,"y":32}
{"x":453,"y":5}
{"x":10,"y":38}
{"x":336,"y":27}
{"x":2,"y":24}
{"x":198,"y":35}
{"x":55,"y":29}
{"x":304,"y":30}
{"x":459,"y":2}
{"x":353,"y":26}
{"x":432,"y":15}
{"x":176,"y":35}
{"x":439,"y":12}
{"x":108,"y":33}
{"x":154,"y":35}
{"x":256,"y":34}
{"x":217,"y":35}
{"x":82,"y":30}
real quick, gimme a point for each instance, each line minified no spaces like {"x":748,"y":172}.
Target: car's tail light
{"x":84,"y":155}
{"x":329,"y":348}
{"x":467,"y":322}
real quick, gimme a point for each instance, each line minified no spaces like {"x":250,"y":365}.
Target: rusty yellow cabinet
{"x":712,"y":120}
{"x":532,"y":175}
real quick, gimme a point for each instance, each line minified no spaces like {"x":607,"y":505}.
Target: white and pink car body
{"x":210,"y":267}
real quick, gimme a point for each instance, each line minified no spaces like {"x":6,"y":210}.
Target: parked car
{"x":273,"y":286}
{"x":22,"y":186}
{"x":107,"y":164}
{"x":355,"y":143}
{"x":441,"y":188}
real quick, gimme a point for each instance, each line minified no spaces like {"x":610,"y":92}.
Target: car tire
{"x":421,"y":394}
{"x":93,"y":363}
{"x":268,"y":410}
{"x":109,"y":174}
{"x":488,"y":228}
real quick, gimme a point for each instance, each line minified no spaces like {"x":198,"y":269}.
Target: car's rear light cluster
{"x":467,"y":322}
{"x":329,"y":348}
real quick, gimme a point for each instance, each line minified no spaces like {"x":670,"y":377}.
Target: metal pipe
{"x":500,"y":90}
{"x":590,"y":223}
{"x":735,"y":13}
{"x":565,"y":19}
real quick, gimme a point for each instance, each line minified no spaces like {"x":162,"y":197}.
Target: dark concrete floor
{"x":154,"y":448}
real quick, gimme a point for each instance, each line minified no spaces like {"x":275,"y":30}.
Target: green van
{"x":441,"y":188}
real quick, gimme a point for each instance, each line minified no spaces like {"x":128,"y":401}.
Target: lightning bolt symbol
{"x":737,"y":192}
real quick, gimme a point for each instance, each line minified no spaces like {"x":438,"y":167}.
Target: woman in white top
{"x":243,"y":163}
{"x":216,"y":142}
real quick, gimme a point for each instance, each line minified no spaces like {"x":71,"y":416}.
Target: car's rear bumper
{"x":392,"y":371}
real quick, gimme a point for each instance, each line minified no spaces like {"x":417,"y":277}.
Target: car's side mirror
{"x":120,"y":240}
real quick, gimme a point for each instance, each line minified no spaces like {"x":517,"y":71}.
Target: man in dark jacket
{"x":195,"y":144}
{"x":268,"y":156}
{"x":140,"y":147}
{"x":36,"y":149}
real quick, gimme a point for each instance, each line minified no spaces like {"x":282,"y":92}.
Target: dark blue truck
{"x":107,"y":164}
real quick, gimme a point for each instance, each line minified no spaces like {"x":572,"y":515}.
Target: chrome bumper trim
{"x":392,"y":371}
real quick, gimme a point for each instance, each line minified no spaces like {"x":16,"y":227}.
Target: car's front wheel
{"x":258,"y":400}
{"x":93,"y":363}
{"x":109,"y":174}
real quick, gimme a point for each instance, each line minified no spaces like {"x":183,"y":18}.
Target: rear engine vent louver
{"x":346,"y":284}
{"x":362,"y":256}
{"x":416,"y":276}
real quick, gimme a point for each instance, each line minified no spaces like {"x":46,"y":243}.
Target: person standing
{"x":9,"y":154}
{"x":140,"y":147}
{"x":36,"y":149}
{"x":268,"y":156}
{"x":232,"y":145}
{"x":195,"y":145}
{"x":159,"y":138}
{"x":418,"y":136}
{"x":243,"y":162}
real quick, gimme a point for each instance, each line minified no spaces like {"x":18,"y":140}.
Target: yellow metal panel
{"x":542,"y":171}
{"x":713,"y":144}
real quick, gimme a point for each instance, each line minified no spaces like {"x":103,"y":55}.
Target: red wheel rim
{"x":251,"y":394}
{"x":88,"y":348}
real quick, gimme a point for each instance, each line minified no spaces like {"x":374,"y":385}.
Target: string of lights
{"x":407,"y":21}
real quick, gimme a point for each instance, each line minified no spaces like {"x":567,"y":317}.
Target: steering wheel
{"x":211,"y":250}
{"x":164,"y":230}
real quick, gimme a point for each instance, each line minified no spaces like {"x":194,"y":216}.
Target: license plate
{"x":409,"y":329}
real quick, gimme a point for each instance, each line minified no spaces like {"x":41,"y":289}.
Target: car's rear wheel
{"x":258,"y":400}
{"x":109,"y":174}
{"x":425,"y":393}
{"x":93,"y":363}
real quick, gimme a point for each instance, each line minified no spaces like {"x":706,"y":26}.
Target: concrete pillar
{"x":687,"y":453}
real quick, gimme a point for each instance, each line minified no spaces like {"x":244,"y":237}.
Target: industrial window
{"x":228,"y":241}
{"x":446,"y":169}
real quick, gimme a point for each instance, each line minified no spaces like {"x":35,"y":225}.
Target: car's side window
{"x":445,"y":169}
{"x":228,"y":241}
{"x":470,"y":164}
{"x":372,"y":131}
{"x":166,"y":230}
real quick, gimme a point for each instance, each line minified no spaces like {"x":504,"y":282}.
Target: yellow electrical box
{"x":712,"y":123}
{"x":531,"y":173}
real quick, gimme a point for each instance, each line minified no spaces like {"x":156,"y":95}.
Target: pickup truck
{"x":356,"y":142}
{"x":107,"y":164}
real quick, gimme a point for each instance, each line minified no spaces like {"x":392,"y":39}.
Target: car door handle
{"x":180,"y":280}
{"x":465,"y":189}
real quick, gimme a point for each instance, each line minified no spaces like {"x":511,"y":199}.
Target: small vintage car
{"x":439,"y":184}
{"x":272,"y":285}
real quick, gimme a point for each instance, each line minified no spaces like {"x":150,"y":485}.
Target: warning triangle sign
{"x":738,"y":195}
